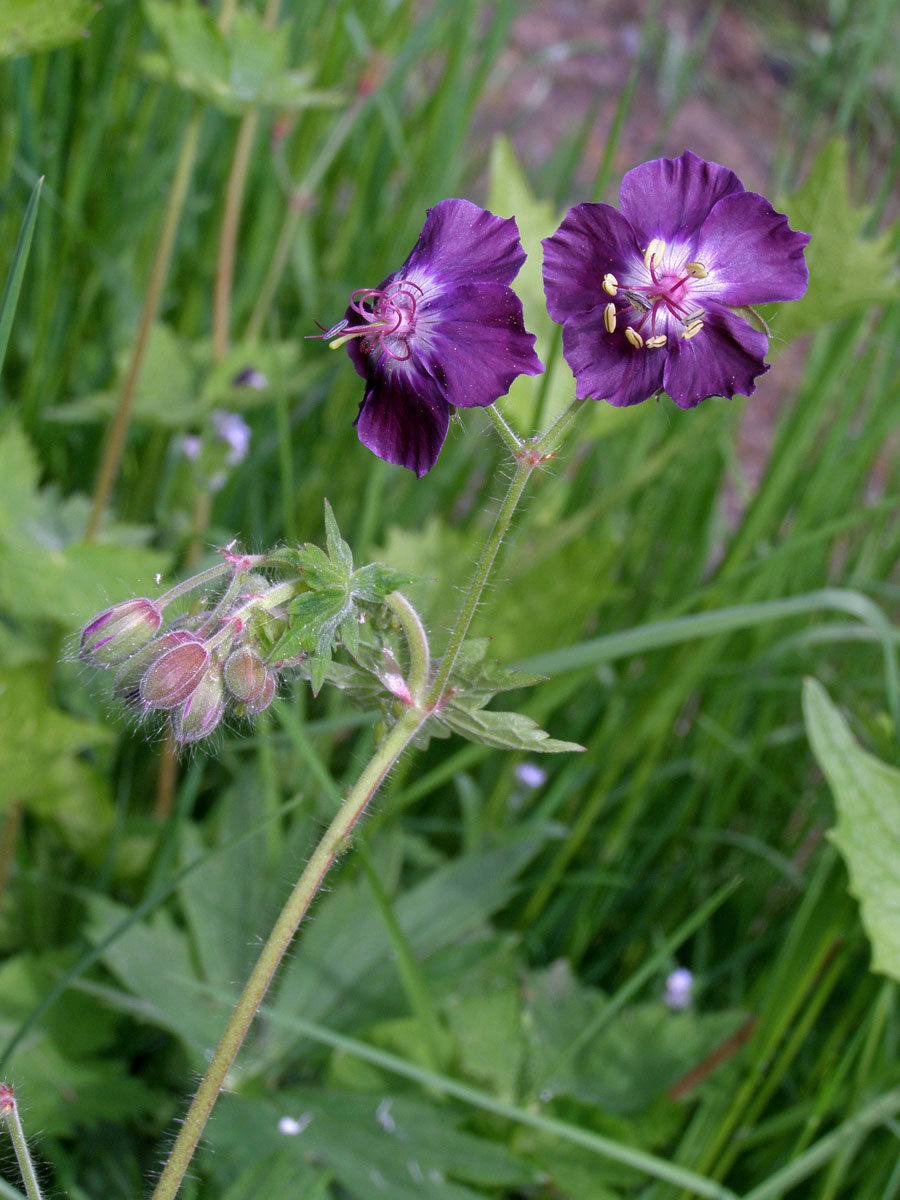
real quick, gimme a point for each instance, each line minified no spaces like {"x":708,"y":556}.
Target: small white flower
{"x":679,"y":989}
{"x":291,"y":1126}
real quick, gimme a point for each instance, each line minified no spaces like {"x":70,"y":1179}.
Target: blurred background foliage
{"x":477,"y":1007}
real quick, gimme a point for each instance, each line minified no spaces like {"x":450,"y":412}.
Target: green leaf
{"x":235,"y":71}
{"x":153,"y":960}
{"x":338,"y":550}
{"x":867,"y":796}
{"x":315,"y":616}
{"x":167,"y":390}
{"x":47,"y":572}
{"x":848,"y":271}
{"x":35,"y":736}
{"x":377,"y":1145}
{"x":374,"y":581}
{"x":27,"y":26}
{"x":64,"y":1078}
{"x":17,"y":269}
{"x":632,"y":1058}
{"x":503,"y":730}
{"x":478,"y":675}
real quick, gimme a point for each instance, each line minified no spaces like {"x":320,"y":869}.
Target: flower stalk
{"x":9,"y":1110}
{"x":334,"y":842}
{"x":424,"y":697}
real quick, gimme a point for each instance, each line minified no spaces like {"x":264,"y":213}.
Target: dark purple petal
{"x":605,"y":365}
{"x":752,"y":254}
{"x":403,"y":418}
{"x":672,"y":197}
{"x":462,"y":243}
{"x":477,"y":344}
{"x":592,"y":240}
{"x":724,"y":358}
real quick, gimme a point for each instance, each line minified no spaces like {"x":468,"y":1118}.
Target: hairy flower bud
{"x":174,"y":675}
{"x":203,"y":709}
{"x":127,"y":684}
{"x":116,"y":634}
{"x":252,"y":708}
{"x":245,"y":674}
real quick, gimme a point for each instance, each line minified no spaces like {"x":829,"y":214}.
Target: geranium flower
{"x":445,"y":330}
{"x":646,"y":295}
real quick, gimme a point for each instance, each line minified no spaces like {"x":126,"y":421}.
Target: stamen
{"x":609,"y":318}
{"x":632,"y":336}
{"x":691,"y":330}
{"x":654,"y":253}
{"x":696,"y":269}
{"x":654,"y":343}
{"x":610,"y":284}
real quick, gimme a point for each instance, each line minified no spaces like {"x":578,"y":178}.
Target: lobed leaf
{"x":867,"y":796}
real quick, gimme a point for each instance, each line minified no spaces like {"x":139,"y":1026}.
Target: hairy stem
{"x":417,"y":641}
{"x":9,"y":1110}
{"x":328,"y":849}
{"x":529,"y":454}
{"x":118,"y":431}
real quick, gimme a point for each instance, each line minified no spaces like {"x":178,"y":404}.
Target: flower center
{"x":656,"y":301}
{"x":388,"y":320}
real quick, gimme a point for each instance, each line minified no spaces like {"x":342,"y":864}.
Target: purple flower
{"x":445,"y":330}
{"x":646,"y":296}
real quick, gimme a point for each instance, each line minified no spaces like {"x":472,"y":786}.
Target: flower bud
{"x":252,"y":708}
{"x":202,"y":711}
{"x":245,"y":674}
{"x":174,"y":675}
{"x":117,"y":633}
{"x":127,"y":684}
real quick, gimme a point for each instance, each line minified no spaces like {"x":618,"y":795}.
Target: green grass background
{"x":475,"y":1008}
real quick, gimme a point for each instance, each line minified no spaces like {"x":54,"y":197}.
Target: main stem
{"x":292,"y":914}
{"x":529,"y":454}
{"x":9,"y":1109}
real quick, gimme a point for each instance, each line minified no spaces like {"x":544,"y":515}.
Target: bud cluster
{"x":208,"y":662}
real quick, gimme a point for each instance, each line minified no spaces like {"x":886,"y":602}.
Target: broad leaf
{"x":235,"y":71}
{"x":46,"y":570}
{"x":504,"y":730}
{"x":405,"y":1147}
{"x":27,"y":26}
{"x":849,"y":272}
{"x":867,"y":796}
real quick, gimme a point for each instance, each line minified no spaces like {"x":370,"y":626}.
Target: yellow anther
{"x":654,"y":343}
{"x":609,"y":318}
{"x":696,"y":269}
{"x":654,"y":253}
{"x":634,"y":337}
{"x":691,"y":331}
{"x":610,"y":284}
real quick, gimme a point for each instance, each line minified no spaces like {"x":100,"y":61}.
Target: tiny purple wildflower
{"x":252,"y":378}
{"x":646,"y":295}
{"x":234,"y":431}
{"x":191,"y":446}
{"x":444,"y":330}
{"x":530,"y":775}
